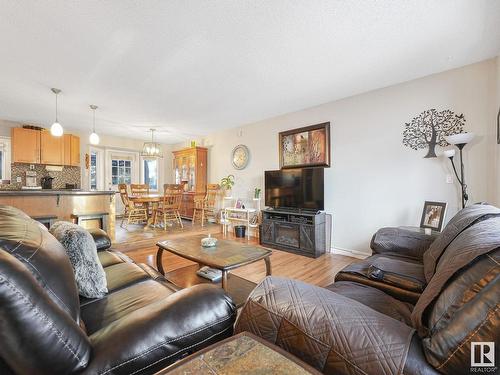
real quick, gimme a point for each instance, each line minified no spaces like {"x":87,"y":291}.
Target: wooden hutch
{"x":190,"y":170}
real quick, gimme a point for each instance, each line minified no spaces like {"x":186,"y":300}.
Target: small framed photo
{"x":238,"y":204}
{"x":433,"y":215}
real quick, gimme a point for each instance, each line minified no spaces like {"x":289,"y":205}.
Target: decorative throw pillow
{"x":82,"y":253}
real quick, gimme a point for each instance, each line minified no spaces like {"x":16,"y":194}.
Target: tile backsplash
{"x":68,"y":175}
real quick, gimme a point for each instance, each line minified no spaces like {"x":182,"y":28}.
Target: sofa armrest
{"x":330,"y":332}
{"x":101,"y":239}
{"x":398,"y":273}
{"x":157,"y":335}
{"x":401,"y":242}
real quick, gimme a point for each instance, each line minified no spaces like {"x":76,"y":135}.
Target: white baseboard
{"x":350,"y":253}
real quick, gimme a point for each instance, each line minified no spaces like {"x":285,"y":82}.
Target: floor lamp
{"x":459,"y":140}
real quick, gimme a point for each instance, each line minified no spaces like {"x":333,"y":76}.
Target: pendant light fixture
{"x":151,"y":149}
{"x":93,"y":138}
{"x":56,"y":129}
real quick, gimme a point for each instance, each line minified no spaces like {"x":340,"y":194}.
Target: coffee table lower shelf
{"x":237,"y":287}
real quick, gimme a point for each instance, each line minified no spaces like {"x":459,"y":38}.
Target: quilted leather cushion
{"x":332,"y":333}
{"x":375,"y":299}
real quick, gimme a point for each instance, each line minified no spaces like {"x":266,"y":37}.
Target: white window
{"x":4,"y":158}
{"x":150,"y":173}
{"x":121,"y":171}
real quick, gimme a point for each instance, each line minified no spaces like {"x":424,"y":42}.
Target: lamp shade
{"x":449,"y":153}
{"x":94,"y":139}
{"x":459,"y":139}
{"x":56,"y":129}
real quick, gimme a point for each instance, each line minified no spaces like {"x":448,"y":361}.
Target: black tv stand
{"x":300,"y":232}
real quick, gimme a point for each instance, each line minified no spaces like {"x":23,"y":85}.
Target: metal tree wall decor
{"x":429,"y":128}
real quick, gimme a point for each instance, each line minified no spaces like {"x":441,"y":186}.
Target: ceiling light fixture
{"x":151,"y":149}
{"x":93,"y":138}
{"x":56,"y":129}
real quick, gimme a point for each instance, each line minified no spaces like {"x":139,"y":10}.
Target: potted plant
{"x":227,"y":184}
{"x":256,"y":193}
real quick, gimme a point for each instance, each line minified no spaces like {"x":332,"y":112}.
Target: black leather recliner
{"x":142,"y":325}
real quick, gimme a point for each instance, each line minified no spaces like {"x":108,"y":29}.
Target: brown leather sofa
{"x":396,"y":266}
{"x":143,"y":324}
{"x":360,"y":326}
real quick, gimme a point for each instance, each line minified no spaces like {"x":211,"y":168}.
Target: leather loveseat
{"x":143,"y":324}
{"x":366,"y":326}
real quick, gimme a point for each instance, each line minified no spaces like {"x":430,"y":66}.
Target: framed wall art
{"x":305,"y":147}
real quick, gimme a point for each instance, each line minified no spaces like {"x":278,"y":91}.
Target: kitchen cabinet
{"x":71,"y":150}
{"x":51,"y":149}
{"x":67,"y":149}
{"x":25,"y":146}
{"x":41,"y":147}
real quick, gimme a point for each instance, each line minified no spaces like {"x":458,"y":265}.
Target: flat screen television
{"x":301,"y":188}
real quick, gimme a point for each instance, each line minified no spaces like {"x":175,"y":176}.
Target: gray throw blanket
{"x":82,"y":252}
{"x":472,"y":242}
{"x":462,"y":220}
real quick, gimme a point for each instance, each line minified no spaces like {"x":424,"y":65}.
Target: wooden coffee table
{"x":226,"y":256}
{"x":242,"y":354}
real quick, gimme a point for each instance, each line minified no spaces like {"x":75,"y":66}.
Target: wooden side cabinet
{"x":25,"y":146}
{"x":52,"y":149}
{"x":190,"y":170}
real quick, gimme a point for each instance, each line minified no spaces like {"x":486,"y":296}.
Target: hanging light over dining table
{"x":151,"y":149}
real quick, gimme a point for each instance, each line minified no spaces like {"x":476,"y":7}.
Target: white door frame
{"x":135,"y":172}
{"x":135,"y":165}
{"x":101,"y":167}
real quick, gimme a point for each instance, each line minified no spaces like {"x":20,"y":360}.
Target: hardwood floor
{"x":139,"y":244}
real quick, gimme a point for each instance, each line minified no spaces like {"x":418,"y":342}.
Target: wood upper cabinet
{"x":75,"y":150}
{"x":25,"y":146}
{"x":67,"y":149}
{"x":71,"y":150}
{"x":41,"y":147}
{"x":52,"y":148}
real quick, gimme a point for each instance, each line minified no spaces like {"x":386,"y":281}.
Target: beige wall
{"x":374,"y":180}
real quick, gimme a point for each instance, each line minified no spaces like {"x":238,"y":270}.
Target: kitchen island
{"x":65,"y":204}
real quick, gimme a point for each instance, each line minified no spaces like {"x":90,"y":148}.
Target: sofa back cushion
{"x":465,"y":218}
{"x":42,"y":255}
{"x":37,"y":336}
{"x":467,"y":310}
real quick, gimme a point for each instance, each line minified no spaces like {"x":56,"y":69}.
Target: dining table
{"x":152,"y":200}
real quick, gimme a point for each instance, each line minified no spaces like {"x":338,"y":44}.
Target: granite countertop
{"x":55,"y":192}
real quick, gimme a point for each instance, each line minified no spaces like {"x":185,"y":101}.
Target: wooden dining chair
{"x":169,"y":208}
{"x":132,"y":213}
{"x":206,"y":206}
{"x":139,"y":189}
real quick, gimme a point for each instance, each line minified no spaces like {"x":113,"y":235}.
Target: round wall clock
{"x":240,"y":157}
